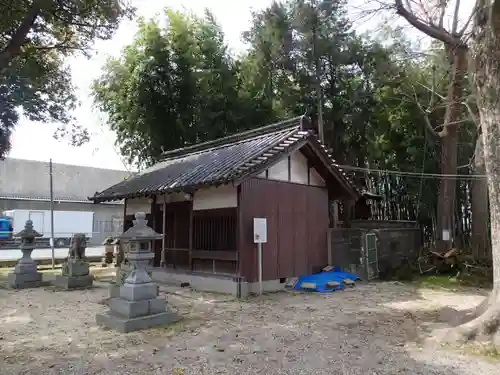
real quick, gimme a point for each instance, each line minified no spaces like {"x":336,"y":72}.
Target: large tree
{"x":35,"y":38}
{"x":307,"y":57}
{"x":174,"y":86}
{"x":430,"y":18}
{"x":484,"y":321}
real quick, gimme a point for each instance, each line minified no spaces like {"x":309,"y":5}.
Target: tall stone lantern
{"x":138,"y":306}
{"x":25,"y":274}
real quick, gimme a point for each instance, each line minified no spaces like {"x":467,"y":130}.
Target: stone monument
{"x":75,"y":271}
{"x":138,"y":306}
{"x":25,"y":274}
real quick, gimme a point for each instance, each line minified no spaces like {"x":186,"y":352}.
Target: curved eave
{"x":153,"y":193}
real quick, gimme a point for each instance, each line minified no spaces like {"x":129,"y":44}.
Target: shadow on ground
{"x":372,"y":329}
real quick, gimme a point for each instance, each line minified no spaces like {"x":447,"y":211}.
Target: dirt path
{"x":372,"y":329}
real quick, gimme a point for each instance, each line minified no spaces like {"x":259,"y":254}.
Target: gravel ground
{"x":372,"y":329}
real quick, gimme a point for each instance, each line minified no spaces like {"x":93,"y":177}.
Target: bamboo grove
{"x":381,"y":102}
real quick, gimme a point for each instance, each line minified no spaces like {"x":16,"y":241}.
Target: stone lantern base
{"x":24,"y":280}
{"x":138,"y":307}
{"x":75,"y":275}
{"x":120,"y":276}
{"x":25,"y":274}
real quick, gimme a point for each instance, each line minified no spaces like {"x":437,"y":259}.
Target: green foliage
{"x":35,"y":37}
{"x":175,"y":86}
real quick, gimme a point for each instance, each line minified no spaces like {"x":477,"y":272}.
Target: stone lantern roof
{"x":140,"y":230}
{"x":28,"y":232}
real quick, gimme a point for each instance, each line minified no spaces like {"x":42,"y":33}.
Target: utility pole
{"x":52,"y":215}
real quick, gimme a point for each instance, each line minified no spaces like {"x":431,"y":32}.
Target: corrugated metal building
{"x":25,"y":184}
{"x":204,"y":198}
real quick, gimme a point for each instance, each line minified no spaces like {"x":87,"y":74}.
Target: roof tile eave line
{"x":290,"y":148}
{"x":237,"y":137}
{"x":273,"y":142}
{"x":221,"y":165}
{"x":226,"y":166}
{"x":226,"y":145}
{"x":339,"y":172}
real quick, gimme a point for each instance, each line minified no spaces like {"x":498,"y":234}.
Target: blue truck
{"x":5,"y":228}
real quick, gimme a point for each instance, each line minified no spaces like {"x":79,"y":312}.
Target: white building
{"x":25,"y":184}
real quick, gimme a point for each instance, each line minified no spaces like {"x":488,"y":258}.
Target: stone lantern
{"x":138,"y":306}
{"x":109,"y":248}
{"x":25,"y":274}
{"x":116,"y":251}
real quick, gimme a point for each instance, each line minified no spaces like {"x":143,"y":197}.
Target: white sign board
{"x":259,"y":230}
{"x":446,"y":235}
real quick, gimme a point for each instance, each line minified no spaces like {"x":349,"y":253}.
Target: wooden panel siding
{"x":297,"y":228}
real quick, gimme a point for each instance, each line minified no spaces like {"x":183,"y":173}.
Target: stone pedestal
{"x":75,"y":275}
{"x":137,"y":306}
{"x":121,"y":274}
{"x":25,"y":274}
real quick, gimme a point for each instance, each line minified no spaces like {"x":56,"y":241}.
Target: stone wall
{"x":347,"y":247}
{"x":396,"y":246}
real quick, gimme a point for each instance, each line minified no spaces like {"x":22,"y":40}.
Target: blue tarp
{"x":321,"y":279}
{"x":4,"y":228}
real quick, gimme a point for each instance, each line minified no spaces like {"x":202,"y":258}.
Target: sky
{"x":34,"y":141}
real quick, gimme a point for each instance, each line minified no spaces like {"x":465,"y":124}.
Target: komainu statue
{"x":75,"y":271}
{"x":77,"y":247}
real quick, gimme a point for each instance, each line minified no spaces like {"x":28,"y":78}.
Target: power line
{"x":415,"y":174}
{"x":383,"y":171}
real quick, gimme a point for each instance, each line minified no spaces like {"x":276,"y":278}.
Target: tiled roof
{"x":221,"y":161}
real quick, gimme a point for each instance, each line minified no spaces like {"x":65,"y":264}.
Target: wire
{"x":414,"y":174}
{"x":383,"y":171}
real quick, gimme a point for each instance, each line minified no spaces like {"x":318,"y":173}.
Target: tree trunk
{"x":485,"y":321}
{"x":487,"y":81}
{"x":449,"y":134}
{"x":13,"y":47}
{"x":481,"y":249}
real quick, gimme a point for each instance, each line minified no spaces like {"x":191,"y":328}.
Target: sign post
{"x":259,"y":237}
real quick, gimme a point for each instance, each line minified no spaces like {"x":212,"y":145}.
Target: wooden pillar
{"x":239,"y":231}
{"x":154,"y":224}
{"x":191,"y":233}
{"x":163,"y":260}
{"x":124,"y":214}
{"x":335,"y":214}
{"x":153,"y":213}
